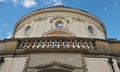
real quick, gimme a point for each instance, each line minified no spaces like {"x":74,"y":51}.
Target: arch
{"x":54,"y":70}
{"x":58,"y":33}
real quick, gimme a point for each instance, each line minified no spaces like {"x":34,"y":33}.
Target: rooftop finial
{"x":58,"y":2}
{"x":59,"y":5}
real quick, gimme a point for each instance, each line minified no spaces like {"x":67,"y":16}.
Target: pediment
{"x":55,"y":64}
{"x":58,"y":33}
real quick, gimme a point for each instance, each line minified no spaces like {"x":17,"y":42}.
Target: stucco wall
{"x":100,"y":65}
{"x":13,"y":65}
{"x":93,"y":64}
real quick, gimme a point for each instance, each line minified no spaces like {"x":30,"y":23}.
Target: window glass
{"x":91,"y":29}
{"x":59,"y":25}
{"x":27,"y":29}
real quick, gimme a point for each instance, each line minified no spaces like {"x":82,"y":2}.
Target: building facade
{"x":59,"y":39}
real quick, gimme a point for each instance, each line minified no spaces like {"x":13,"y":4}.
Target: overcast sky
{"x":106,"y":10}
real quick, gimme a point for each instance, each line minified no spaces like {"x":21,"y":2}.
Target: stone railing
{"x":55,"y":42}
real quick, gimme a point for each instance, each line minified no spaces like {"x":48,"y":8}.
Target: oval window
{"x":27,"y":29}
{"x":59,"y":25}
{"x":91,"y":29}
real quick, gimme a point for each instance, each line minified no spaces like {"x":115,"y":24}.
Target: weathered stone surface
{"x":67,"y":61}
{"x":46,"y":58}
{"x":115,"y":46}
{"x":10,"y":46}
{"x":102,"y":45}
{"x":1,"y":46}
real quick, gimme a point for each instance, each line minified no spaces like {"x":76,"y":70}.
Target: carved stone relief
{"x":32,"y":21}
{"x":59,"y":18}
{"x":96,"y":25}
{"x":53,"y":65}
{"x":77,"y":18}
{"x":43,"y":62}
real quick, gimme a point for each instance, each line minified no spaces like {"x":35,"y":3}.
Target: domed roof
{"x":60,"y":9}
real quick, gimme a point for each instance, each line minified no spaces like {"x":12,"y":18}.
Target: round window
{"x":59,"y":25}
{"x":91,"y":29}
{"x":27,"y":29}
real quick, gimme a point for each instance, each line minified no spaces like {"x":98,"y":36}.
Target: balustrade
{"x":56,"y":43}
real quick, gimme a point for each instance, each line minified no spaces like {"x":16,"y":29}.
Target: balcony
{"x":59,"y":43}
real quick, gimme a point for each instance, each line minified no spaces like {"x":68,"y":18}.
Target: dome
{"x":59,"y":21}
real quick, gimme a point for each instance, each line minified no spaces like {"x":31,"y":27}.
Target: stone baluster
{"x":55,"y":44}
{"x":48,"y":44}
{"x":51,"y":44}
{"x":45,"y":44}
{"x":61,"y":44}
{"x":21,"y":44}
{"x":66,"y":45}
{"x":81,"y":44}
{"x":29,"y":44}
{"x":91,"y":45}
{"x":40,"y":44}
{"x":76,"y":44}
{"x":71,"y":44}
{"x":35,"y":44}
{"x":58,"y":44}
{"x":86,"y":44}
{"x":25,"y":45}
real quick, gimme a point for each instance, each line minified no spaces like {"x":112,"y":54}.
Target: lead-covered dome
{"x":59,"y":21}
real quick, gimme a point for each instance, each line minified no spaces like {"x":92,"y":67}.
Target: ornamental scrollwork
{"x":59,"y":18}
